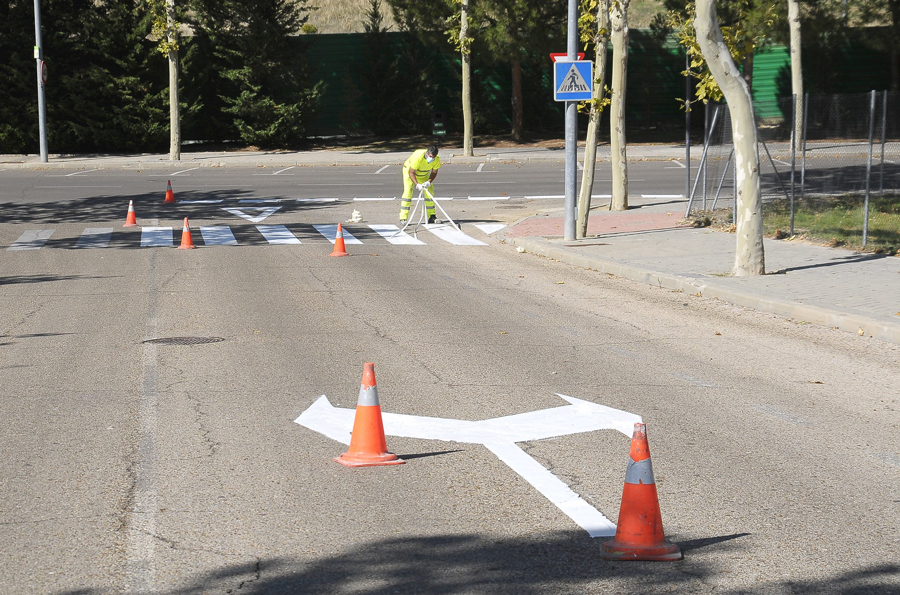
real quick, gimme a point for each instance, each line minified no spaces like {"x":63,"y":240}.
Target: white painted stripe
{"x":780,"y":161}
{"x":95,"y":237}
{"x":662,"y":195}
{"x":78,"y":173}
{"x":330,"y":233}
{"x":450,"y":234}
{"x":580,"y":165}
{"x":488,"y":198}
{"x":277,"y":234}
{"x":67,"y":187}
{"x":262,"y":213}
{"x":385,"y":198}
{"x":586,"y":516}
{"x":382,"y":169}
{"x":257,"y":201}
{"x":490,"y":228}
{"x":283,"y":170}
{"x":206,"y":201}
{"x":678,"y":163}
{"x":32,"y":240}
{"x":480,"y":167}
{"x":317,"y":200}
{"x":393,"y":234}
{"x":217,"y":235}
{"x":184,"y":171}
{"x":547,"y":196}
{"x":156,"y":236}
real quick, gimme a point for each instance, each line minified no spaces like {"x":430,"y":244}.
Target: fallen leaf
{"x":816,"y":382}
{"x":560,"y":282}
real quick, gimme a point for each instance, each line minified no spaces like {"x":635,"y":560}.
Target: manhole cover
{"x":184,"y":340}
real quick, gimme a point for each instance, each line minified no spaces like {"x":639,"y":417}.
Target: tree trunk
{"x":174,"y":115}
{"x":466,"y":78}
{"x":750,"y":257}
{"x":796,"y":69}
{"x":517,"y":125}
{"x":619,"y":22}
{"x":601,"y":38}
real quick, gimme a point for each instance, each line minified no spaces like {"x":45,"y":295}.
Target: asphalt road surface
{"x":143,"y":467}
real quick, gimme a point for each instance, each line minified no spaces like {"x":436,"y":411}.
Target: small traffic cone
{"x":639,"y":532}
{"x":170,"y":196}
{"x":186,"y":241}
{"x":367,"y":444}
{"x":339,"y":248}
{"x":130,"y":219}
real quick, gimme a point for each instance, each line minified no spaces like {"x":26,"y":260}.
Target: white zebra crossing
{"x":223,"y":235}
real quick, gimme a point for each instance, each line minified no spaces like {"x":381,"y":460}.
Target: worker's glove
{"x":419,"y":187}
{"x":426,"y":184}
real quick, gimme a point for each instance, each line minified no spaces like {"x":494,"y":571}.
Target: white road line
{"x":781,"y":162}
{"x":678,"y":163}
{"x":450,"y":234}
{"x":217,"y":235}
{"x":488,"y":198}
{"x":183,"y":171}
{"x":78,"y":173}
{"x":362,"y":199}
{"x":95,"y":237}
{"x":393,"y":235}
{"x":547,"y":196}
{"x":32,"y":240}
{"x":480,"y":167}
{"x":490,"y":228}
{"x":580,"y":165}
{"x":277,"y":234}
{"x":156,"y":237}
{"x":382,"y":169}
{"x":330,"y":233}
{"x":317,"y":200}
{"x":261,"y":213}
{"x":256,"y":201}
{"x":206,"y":201}
{"x":662,"y":195}
{"x":283,"y":170}
{"x":67,"y":187}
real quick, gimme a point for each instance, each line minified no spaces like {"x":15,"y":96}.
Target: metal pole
{"x":571,"y":130}
{"x":865,"y":238}
{"x":39,"y":58}
{"x":687,"y":123}
{"x":884,"y":96}
{"x":793,"y":153}
{"x":707,"y":134}
{"x":701,"y":168}
{"x":803,"y":154}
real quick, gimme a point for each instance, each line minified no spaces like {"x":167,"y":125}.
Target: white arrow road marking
{"x":499,"y":435}
{"x":262,"y":213}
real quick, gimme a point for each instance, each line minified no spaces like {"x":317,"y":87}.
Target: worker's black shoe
{"x":431,"y":218}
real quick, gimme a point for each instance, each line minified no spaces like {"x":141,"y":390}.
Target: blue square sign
{"x":573,"y":81}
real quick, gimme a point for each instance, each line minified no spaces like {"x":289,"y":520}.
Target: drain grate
{"x":184,"y":340}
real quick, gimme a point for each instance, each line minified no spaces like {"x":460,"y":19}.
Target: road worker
{"x":419,"y":172}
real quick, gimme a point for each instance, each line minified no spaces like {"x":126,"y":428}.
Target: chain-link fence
{"x":847,"y":143}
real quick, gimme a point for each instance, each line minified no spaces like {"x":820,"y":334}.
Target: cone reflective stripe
{"x":368,"y":447}
{"x":130,"y":219}
{"x":186,"y":241}
{"x":339,"y":247}
{"x":170,"y":196}
{"x":639,"y":532}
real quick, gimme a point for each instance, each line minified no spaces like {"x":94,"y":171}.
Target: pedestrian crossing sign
{"x":572,"y":81}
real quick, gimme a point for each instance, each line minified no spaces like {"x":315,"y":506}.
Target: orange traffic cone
{"x":130,"y":219}
{"x":367,"y":444}
{"x":170,"y":196}
{"x":186,"y":241}
{"x":639,"y":533}
{"x":339,"y":248}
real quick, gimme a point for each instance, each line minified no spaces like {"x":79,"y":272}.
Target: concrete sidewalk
{"x":852,"y":291}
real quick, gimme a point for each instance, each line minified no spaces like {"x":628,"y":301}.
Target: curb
{"x":700,"y":286}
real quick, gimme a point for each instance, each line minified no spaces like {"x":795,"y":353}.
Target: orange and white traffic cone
{"x":130,"y":219}
{"x":170,"y":196}
{"x":186,"y":241}
{"x":339,"y":248}
{"x":368,"y":447}
{"x":639,"y":532}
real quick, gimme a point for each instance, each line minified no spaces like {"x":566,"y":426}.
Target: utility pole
{"x":571,"y":130}
{"x":41,"y":80}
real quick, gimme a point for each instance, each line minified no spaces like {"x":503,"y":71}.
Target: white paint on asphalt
{"x":78,"y":173}
{"x":500,"y":436}
{"x":384,"y":198}
{"x":184,"y":171}
{"x":32,"y":239}
{"x":382,"y":169}
{"x":330,"y":234}
{"x":205,"y":201}
{"x":277,"y":234}
{"x":95,"y":237}
{"x":317,"y":200}
{"x":450,"y":234}
{"x":217,"y":235}
{"x":678,"y":163}
{"x":490,"y":228}
{"x":261,"y":213}
{"x":152,"y":237}
{"x":488,"y":198}
{"x":393,"y":235}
